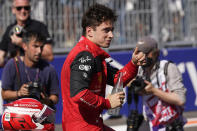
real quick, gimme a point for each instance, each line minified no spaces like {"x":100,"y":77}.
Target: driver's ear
{"x":89,"y":31}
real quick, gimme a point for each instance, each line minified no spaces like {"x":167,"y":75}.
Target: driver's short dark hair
{"x":97,"y":14}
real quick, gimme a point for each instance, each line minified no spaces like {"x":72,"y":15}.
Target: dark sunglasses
{"x":18,"y":8}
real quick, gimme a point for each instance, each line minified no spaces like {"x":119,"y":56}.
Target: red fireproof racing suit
{"x":84,"y":76}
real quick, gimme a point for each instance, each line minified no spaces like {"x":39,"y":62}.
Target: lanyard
{"x":37,"y":74}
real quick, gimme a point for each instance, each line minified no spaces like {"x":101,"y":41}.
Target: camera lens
{"x":18,"y":30}
{"x":134,"y":121}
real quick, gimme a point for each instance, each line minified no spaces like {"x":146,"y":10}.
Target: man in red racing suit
{"x":85,"y":74}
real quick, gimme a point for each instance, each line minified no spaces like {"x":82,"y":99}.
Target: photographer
{"x":11,"y":44}
{"x":163,"y":91}
{"x":30,"y":76}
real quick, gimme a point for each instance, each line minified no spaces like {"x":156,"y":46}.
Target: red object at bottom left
{"x":23,"y":114}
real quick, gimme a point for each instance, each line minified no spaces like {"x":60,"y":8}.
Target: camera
{"x":18,"y":30}
{"x":134,"y":120}
{"x":34,"y":89}
{"x":176,"y":125}
{"x":138,"y":84}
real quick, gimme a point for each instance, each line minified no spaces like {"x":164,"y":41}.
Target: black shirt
{"x":31,"y":25}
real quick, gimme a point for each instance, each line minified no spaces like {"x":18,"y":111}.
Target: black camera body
{"x":176,"y":125}
{"x":138,"y":84}
{"x":34,"y":89}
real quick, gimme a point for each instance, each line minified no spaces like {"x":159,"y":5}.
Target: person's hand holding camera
{"x":138,"y":58}
{"x":23,"y":91}
{"x":149,"y":89}
{"x":46,"y":100}
{"x":16,"y":40}
{"x":116,"y":99}
{"x":16,"y":35}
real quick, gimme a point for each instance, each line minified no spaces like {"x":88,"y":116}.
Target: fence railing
{"x":170,"y":22}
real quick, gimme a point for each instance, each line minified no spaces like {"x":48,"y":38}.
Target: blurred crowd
{"x":167,"y":21}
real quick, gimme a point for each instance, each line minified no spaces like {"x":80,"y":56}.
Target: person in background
{"x":164,"y":94}
{"x":85,"y":73}
{"x":29,"y":76}
{"x":11,"y":44}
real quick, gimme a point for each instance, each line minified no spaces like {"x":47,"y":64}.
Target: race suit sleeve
{"x":82,"y":69}
{"x":129,"y":72}
{"x":175,"y":81}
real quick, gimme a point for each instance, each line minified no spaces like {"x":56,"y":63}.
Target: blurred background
{"x":173,"y":23}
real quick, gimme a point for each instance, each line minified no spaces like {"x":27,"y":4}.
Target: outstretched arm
{"x":176,"y":91}
{"x":169,"y":97}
